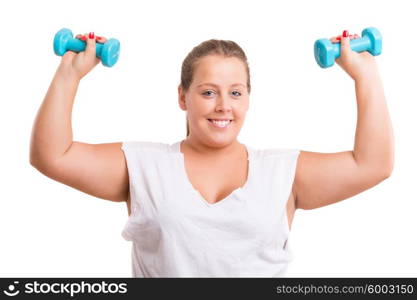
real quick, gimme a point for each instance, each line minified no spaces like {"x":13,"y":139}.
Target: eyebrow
{"x":212,"y":84}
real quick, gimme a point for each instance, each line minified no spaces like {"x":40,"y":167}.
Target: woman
{"x":209,"y":206}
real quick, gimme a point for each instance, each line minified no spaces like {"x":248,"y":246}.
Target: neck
{"x":203,"y":148}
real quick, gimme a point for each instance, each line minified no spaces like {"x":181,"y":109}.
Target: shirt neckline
{"x":177,"y":149}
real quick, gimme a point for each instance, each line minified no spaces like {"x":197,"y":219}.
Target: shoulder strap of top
{"x":157,"y":146}
{"x":260,"y":153}
{"x":143,"y":145}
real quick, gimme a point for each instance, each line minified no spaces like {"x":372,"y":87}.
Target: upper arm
{"x":325,"y":178}
{"x":99,"y":170}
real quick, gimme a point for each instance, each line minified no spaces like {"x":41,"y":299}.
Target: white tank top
{"x":177,"y":233}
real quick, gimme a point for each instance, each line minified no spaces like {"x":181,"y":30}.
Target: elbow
{"x":39,"y":164}
{"x":386,"y":171}
{"x":37,"y":158}
{"x":384,"y":167}
{"x":34,"y":155}
{"x":389,"y":167}
{"x":34,"y":160}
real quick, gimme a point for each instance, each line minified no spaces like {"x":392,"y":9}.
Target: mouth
{"x":220,"y":123}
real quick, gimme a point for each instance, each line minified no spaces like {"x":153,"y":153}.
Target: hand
{"x":79,"y":64}
{"x":357,"y":65}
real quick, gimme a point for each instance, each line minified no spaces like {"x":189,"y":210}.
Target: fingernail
{"x":338,"y":38}
{"x":91,"y":35}
{"x":345,"y":33}
{"x":83,"y":38}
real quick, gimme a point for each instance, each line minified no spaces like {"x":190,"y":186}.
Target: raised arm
{"x":325,"y":178}
{"x":96,"y":169}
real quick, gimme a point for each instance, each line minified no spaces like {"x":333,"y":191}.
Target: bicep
{"x":99,"y":170}
{"x":326,"y":178}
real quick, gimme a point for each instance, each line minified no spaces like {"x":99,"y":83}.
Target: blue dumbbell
{"x":326,"y":52}
{"x":107,"y":52}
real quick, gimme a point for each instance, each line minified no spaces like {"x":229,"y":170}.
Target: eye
{"x":208,"y":93}
{"x":205,"y":93}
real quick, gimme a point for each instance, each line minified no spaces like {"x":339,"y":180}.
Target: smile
{"x":220,"y":123}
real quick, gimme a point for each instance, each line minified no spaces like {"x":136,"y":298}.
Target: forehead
{"x":217,"y":70}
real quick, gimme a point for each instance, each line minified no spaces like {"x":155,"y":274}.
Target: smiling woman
{"x":208,"y":205}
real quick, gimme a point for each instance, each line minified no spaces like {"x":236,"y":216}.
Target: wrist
{"x":68,"y":74}
{"x":366,"y":75}
{"x":366,"y":71}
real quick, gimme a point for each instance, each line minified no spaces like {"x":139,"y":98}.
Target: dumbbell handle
{"x":357,"y":45}
{"x":77,"y":45}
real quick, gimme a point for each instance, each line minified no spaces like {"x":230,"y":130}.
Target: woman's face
{"x":217,"y":100}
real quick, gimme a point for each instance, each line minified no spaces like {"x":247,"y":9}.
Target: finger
{"x":351,"y":36}
{"x":85,"y":37}
{"x":344,"y":43}
{"x":81,"y":37}
{"x":90,"y":49}
{"x":335,"y":39}
{"x":67,"y":57}
{"x":101,"y":39}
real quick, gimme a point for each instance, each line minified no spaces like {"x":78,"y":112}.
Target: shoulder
{"x":146,"y":154}
{"x":281,"y":160}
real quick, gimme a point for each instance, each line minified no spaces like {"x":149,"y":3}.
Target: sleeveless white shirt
{"x":177,"y":233}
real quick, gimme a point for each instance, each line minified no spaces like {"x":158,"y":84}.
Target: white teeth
{"x":221,"y":123}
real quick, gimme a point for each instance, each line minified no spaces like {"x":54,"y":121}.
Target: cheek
{"x":198,"y":105}
{"x":241,"y":113}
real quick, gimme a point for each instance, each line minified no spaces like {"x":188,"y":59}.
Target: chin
{"x":221,"y":140}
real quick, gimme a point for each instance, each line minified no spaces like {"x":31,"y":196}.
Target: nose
{"x":223,"y":104}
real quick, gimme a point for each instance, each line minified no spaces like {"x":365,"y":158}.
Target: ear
{"x":181,"y":98}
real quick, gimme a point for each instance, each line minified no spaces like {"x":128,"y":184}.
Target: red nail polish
{"x":345,"y":33}
{"x":91,"y":35}
{"x":338,"y":38}
{"x":83,"y":38}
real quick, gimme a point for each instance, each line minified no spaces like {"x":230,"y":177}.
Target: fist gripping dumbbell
{"x":326,"y":52}
{"x":107,"y":52}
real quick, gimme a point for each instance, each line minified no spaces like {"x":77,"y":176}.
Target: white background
{"x":50,"y":229}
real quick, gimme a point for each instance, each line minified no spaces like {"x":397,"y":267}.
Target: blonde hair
{"x":225,"y":48}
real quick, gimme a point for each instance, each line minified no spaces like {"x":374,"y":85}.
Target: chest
{"x":215,"y":180}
